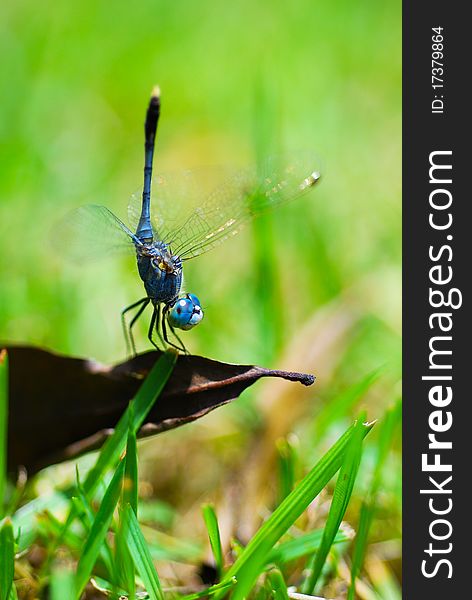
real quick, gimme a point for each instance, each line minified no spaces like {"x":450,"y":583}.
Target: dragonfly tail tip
{"x":156,"y":92}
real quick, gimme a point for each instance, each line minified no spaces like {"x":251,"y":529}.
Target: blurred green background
{"x":314,"y":286}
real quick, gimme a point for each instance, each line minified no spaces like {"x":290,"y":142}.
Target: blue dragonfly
{"x":166,"y":238}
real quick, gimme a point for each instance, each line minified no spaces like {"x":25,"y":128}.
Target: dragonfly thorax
{"x":160,"y":257}
{"x":160,"y":270}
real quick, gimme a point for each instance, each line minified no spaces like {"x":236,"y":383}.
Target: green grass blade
{"x":141,"y":555}
{"x":211,"y":522}
{"x":130,"y":481}
{"x":278,"y":587}
{"x":251,"y":562}
{"x":108,"y":588}
{"x":286,"y":463}
{"x":3,"y":427}
{"x":143,"y":402}
{"x":87,"y":517}
{"x":303,"y":545}
{"x":82,"y":502}
{"x":341,"y":496}
{"x":222,"y":587}
{"x":365,"y":521}
{"x":167,"y":547}
{"x":157,"y":512}
{"x":125,"y":572}
{"x":7,"y":558}
{"x":386,"y":432}
{"x":99,"y":529}
{"x":124,"y":562}
{"x":115,"y":444}
{"x":25,"y":519}
{"x":13,"y":593}
{"x":236,"y":548}
{"x":62,"y":584}
{"x":17,"y":493}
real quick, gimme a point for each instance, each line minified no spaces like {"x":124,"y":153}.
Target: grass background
{"x":314,"y":286}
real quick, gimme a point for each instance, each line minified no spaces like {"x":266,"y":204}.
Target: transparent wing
{"x":175,"y":195}
{"x":220,"y":211}
{"x":91,"y":232}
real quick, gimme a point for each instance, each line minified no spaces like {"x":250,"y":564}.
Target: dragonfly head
{"x":186,"y":312}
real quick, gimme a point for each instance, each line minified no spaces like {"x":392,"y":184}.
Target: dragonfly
{"x":165,"y":238}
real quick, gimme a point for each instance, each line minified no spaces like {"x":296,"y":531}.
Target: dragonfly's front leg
{"x":157,"y":325}
{"x":152,"y":326}
{"x":127,"y":331}
{"x":164,"y":331}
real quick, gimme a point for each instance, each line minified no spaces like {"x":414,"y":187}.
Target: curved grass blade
{"x":7,"y":558}
{"x":143,"y":402}
{"x":302,"y":545}
{"x":341,"y":496}
{"x":211,"y":522}
{"x":141,"y":555}
{"x":224,"y":586}
{"x":99,"y":529}
{"x":253,"y":558}
{"x":113,"y":447}
{"x":87,"y":516}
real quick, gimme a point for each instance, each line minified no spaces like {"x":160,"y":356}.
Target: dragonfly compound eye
{"x":185,"y":313}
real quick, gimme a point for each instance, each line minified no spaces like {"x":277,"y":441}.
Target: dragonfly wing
{"x":92,"y":232}
{"x":240,"y":198}
{"x":175,"y":195}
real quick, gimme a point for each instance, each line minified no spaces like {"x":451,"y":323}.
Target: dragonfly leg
{"x":152,"y":325}
{"x":164,"y":331}
{"x":184,"y":349}
{"x":130,"y":345}
{"x":133,"y":321}
{"x":158,"y":323}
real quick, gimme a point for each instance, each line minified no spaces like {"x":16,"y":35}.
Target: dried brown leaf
{"x":61,"y":407}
